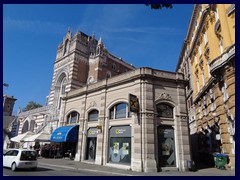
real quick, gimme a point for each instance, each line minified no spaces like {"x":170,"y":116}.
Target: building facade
{"x":90,"y":92}
{"x":209,"y":54}
{"x":155,"y":138}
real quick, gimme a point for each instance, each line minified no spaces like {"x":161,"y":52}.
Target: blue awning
{"x":65,"y":134}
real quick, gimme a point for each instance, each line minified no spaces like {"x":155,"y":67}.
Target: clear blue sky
{"x":139,"y":35}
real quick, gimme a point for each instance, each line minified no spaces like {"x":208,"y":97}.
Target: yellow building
{"x":209,"y":51}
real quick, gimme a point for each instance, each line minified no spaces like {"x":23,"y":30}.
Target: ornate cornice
{"x":164,"y":96}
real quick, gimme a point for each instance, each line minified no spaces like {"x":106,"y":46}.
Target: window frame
{"x":70,"y":118}
{"x":113,"y":111}
{"x":93,"y":120}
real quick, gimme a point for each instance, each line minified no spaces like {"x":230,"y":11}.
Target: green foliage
{"x":159,"y":6}
{"x":32,"y":105}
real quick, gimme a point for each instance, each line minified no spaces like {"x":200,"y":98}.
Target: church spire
{"x":100,"y":41}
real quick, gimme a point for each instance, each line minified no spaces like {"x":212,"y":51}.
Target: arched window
{"x":93,"y":115}
{"x":73,"y":117}
{"x":32,"y":124}
{"x":66,"y":46}
{"x":164,"y":110}
{"x":119,"y":111}
{"x":25,"y":127}
{"x":60,"y":89}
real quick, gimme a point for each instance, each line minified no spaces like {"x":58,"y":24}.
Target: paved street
{"x":65,"y":167}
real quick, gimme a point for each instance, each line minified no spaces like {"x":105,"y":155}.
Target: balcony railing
{"x":222,"y":60}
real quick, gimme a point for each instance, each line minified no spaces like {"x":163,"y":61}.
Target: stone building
{"x":153,"y":138}
{"x":208,"y":60}
{"x":88,"y":110}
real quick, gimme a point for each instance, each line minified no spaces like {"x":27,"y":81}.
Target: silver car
{"x":20,"y":158}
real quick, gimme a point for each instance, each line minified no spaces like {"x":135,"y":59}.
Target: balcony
{"x":220,"y":61}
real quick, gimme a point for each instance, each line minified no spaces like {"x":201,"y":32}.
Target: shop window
{"x":165,"y":110}
{"x":73,"y":117}
{"x":120,"y":150}
{"x":119,"y":111}
{"x":93,"y":115}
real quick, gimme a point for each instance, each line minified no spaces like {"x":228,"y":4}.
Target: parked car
{"x":20,"y":158}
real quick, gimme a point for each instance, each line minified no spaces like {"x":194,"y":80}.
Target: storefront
{"x":91,"y":143}
{"x":166,"y":147}
{"x":67,"y":137}
{"x":120,"y":144}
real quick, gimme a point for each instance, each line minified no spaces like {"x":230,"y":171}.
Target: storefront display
{"x":120,"y":144}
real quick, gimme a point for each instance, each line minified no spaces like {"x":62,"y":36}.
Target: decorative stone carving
{"x":184,"y":118}
{"x":92,"y":104}
{"x":149,"y":115}
{"x":164,"y":96}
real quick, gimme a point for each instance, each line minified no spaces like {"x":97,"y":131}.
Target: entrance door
{"x":166,"y":147}
{"x":91,"y":151}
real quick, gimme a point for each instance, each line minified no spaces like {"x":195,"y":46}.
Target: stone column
{"x":148,"y":137}
{"x":136,"y":160}
{"x":102,"y":131}
{"x":78,"y":156}
{"x":149,"y":143}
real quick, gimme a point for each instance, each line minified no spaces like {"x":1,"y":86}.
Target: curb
{"x":90,"y":170}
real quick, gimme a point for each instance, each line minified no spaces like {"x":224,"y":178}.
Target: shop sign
{"x":120,"y":131}
{"x":92,"y":132}
{"x":133,"y":103}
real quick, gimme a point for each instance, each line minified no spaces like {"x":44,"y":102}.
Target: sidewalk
{"x":70,"y":164}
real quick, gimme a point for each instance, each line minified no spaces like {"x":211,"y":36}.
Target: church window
{"x":66,"y":46}
{"x":25,"y":127}
{"x":60,"y":89}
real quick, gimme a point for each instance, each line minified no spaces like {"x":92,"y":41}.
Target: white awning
{"x":41,"y":137}
{"x":21,"y":137}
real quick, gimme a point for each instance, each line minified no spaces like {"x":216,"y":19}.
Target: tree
{"x":159,"y":6}
{"x":32,"y":105}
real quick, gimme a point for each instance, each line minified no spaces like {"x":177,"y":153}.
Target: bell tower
{"x":71,"y":65}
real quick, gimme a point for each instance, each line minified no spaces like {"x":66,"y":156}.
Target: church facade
{"x":126,"y":117}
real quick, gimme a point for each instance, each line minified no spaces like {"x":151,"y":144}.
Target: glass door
{"x":91,"y":148}
{"x":166,"y":146}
